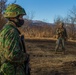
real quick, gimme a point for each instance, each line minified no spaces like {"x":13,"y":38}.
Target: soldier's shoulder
{"x":7,"y":29}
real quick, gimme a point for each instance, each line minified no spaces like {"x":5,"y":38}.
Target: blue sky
{"x":46,"y":9}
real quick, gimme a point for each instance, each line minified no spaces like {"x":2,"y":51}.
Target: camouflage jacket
{"x":61,"y":32}
{"x":10,"y":49}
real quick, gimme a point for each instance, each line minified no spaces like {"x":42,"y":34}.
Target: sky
{"x":46,"y":10}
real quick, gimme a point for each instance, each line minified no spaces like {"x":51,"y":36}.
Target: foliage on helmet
{"x":14,"y":10}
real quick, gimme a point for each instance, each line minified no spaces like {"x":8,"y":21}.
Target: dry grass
{"x":44,"y":61}
{"x":46,"y":39}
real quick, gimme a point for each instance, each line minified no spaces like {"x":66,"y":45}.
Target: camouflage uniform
{"x":61,"y":37}
{"x":12,"y":56}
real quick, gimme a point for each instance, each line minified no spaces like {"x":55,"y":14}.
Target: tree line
{"x":43,"y":29}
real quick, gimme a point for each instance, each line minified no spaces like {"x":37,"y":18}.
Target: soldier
{"x":61,"y":37}
{"x":12,"y":56}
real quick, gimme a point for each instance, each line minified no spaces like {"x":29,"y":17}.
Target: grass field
{"x":44,"y":61}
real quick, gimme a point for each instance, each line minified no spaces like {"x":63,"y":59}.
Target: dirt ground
{"x":44,"y":61}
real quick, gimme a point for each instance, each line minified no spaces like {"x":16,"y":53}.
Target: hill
{"x":35,"y":28}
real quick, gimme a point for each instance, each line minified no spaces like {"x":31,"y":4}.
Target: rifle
{"x":27,"y":68}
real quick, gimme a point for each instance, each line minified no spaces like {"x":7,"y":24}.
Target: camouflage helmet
{"x":61,"y":23}
{"x":14,"y":10}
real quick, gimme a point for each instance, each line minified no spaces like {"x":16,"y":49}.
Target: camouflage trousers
{"x":60,"y":41}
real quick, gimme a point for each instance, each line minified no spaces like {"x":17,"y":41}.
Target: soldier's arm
{"x":57,"y":31}
{"x":13,"y":50}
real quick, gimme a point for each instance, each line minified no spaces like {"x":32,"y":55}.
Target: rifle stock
{"x":27,"y":68}
{"x":23,"y":43}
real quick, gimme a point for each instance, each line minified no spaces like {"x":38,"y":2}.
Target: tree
{"x":72,"y":20}
{"x":2,"y":8}
{"x":2,"y":5}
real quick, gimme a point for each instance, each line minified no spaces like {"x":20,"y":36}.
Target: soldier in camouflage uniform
{"x":12,"y":56}
{"x":61,"y":37}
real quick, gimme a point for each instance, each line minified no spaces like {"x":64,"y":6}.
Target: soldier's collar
{"x":12,"y":25}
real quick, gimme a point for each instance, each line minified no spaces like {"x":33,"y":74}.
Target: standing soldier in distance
{"x":12,"y":56}
{"x":61,"y":37}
